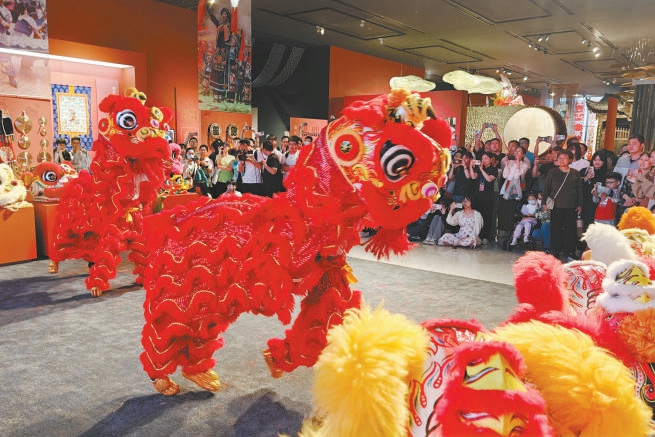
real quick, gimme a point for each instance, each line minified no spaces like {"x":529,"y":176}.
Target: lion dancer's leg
{"x":102,"y":268}
{"x":185,"y":335}
{"x":138,"y":253}
{"x":323,"y":307}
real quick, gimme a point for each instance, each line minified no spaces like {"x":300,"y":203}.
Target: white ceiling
{"x":480,"y":36}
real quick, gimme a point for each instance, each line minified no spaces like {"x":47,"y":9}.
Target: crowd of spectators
{"x":244,"y":166}
{"x":535,"y":198}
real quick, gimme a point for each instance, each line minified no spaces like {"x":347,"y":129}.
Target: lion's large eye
{"x":396,"y":160}
{"x":49,"y":176}
{"x":126,"y":120}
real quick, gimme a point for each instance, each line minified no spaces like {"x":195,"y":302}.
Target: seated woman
{"x":470,"y":224}
{"x":437,"y":226}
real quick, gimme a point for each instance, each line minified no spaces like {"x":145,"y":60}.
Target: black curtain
{"x":304,"y":94}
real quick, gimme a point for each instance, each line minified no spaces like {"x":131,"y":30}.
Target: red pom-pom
{"x":539,"y":279}
{"x":438,"y":130}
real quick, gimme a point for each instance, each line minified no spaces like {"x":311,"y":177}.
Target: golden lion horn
{"x":135,"y":93}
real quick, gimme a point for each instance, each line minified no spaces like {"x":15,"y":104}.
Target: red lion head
{"x":135,"y":130}
{"x":392,"y":150}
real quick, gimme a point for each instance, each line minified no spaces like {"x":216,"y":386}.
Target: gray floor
{"x":69,"y":362}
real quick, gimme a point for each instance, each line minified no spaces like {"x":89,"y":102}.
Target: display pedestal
{"x":46,"y":214}
{"x":173,"y":200}
{"x":18,"y":235}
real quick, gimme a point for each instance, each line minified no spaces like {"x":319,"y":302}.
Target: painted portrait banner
{"x":24,"y":67}
{"x":224,"y":55}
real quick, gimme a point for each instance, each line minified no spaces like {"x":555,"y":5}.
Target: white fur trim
{"x":608,"y":244}
{"x":617,"y":297}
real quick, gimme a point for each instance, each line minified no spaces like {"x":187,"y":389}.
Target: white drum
{"x":533,"y":123}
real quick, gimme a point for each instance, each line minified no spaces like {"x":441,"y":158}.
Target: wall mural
{"x":224,"y":55}
{"x":24,"y":27}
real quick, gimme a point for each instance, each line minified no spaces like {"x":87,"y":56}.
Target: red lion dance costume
{"x":378,"y":165}
{"x":100,"y":212}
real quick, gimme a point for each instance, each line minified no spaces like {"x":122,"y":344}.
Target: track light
{"x":541,"y":38}
{"x":547,"y":38}
{"x":320,"y":30}
{"x":381,"y":40}
{"x":361,"y":23}
{"x":584,"y":41}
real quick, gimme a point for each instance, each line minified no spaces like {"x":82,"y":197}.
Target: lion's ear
{"x":109,"y":103}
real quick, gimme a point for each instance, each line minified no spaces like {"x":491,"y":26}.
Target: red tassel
{"x":386,"y":240}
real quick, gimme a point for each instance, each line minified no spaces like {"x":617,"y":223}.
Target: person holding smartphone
{"x":460,"y":174}
{"x":484,"y":174}
{"x":470,"y":224}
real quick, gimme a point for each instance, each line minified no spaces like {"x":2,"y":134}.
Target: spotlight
{"x":547,"y":38}
{"x":541,"y":38}
{"x":361,"y":23}
{"x":525,"y":78}
{"x":597,"y":54}
{"x":381,"y":40}
{"x":320,"y":30}
{"x":584,"y":41}
{"x":595,"y":49}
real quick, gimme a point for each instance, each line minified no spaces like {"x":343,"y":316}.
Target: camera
{"x":458,"y":161}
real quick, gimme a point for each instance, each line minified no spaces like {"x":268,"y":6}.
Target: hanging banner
{"x":24,"y":26}
{"x":72,"y":113}
{"x":579,"y":116}
{"x":224,"y":55}
{"x":24,"y":29}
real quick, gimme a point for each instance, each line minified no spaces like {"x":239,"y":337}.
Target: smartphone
{"x":476,"y":162}
{"x":458,"y":205}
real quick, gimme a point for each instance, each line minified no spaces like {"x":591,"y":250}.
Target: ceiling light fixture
{"x":320,"y":30}
{"x":584,"y":41}
{"x":361,"y":23}
{"x":525,"y":78}
{"x":541,"y":38}
{"x":547,"y":38}
{"x":381,"y":40}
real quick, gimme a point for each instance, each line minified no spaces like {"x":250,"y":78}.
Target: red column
{"x":610,"y":124}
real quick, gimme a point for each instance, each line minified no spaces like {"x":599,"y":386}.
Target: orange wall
{"x":165,"y":35}
{"x":356,"y":74}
